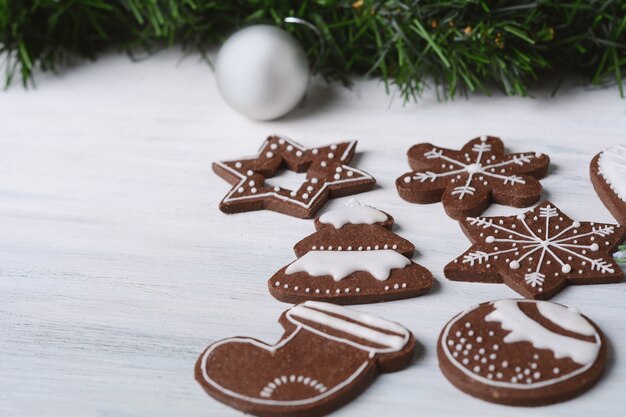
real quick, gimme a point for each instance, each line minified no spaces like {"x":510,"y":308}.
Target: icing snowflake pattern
{"x":468,"y":177}
{"x":539,"y":251}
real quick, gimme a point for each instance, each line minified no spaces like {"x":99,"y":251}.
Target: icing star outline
{"x":327,"y":176}
{"x":539,"y":252}
{"x":469,"y":180}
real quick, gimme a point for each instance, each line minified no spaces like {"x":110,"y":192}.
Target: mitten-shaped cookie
{"x":352,"y":258}
{"x":522,"y":352}
{"x":327,"y":355}
{"x":608,"y":176}
{"x":467,"y":181}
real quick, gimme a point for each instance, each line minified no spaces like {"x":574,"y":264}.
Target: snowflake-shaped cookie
{"x":467,"y":181}
{"x":537,"y":253}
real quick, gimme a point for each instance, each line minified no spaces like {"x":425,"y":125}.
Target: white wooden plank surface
{"x":117,"y":269}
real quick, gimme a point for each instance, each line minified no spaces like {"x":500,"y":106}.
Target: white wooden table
{"x":117,"y":268}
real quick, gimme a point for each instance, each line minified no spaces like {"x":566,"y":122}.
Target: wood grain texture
{"x":117,"y":269}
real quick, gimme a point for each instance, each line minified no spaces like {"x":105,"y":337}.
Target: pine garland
{"x":459,"y":46}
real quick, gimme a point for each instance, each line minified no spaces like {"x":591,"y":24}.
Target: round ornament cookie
{"x":608,"y":176}
{"x":522,"y":352}
{"x":326,"y":357}
{"x":353,"y":258}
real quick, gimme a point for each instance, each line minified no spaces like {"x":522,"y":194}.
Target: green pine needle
{"x":459,"y":46}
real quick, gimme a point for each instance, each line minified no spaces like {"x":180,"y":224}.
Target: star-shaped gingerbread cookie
{"x":539,"y":252}
{"x":327,"y":176}
{"x":467,"y":181}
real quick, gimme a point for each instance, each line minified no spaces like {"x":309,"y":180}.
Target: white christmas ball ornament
{"x":262,"y":72}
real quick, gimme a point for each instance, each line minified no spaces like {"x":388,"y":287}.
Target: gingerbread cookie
{"x":608,"y":176}
{"x":327,"y":176}
{"x":537,"y":253}
{"x":469,"y":180}
{"x":522,"y":352}
{"x":353,"y":258}
{"x":326,"y":357}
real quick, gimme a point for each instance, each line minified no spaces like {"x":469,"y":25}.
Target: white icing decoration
{"x":566,"y":318}
{"x":340,"y":264}
{"x":523,"y":242}
{"x":354,"y":213}
{"x":612,"y":166}
{"x":514,"y":383}
{"x":525,"y":329}
{"x":316,"y":312}
{"x":478,"y":166}
{"x":343,"y":311}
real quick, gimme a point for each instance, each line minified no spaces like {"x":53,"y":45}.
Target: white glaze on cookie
{"x":354,"y":213}
{"x":524,"y":329}
{"x":340,"y":264}
{"x":612,"y":167}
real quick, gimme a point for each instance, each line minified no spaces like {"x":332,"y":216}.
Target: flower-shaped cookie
{"x":467,"y":181}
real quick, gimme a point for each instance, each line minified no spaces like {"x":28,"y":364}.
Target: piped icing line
{"x":354,"y":213}
{"x":393,"y":342}
{"x":524,"y":329}
{"x":340,"y":264}
{"x":502,"y":384}
{"x":612,"y":167}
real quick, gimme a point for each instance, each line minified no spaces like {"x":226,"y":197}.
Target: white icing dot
{"x":299,"y":153}
{"x":479,"y":339}
{"x":296,"y":288}
{"x":314,"y":180}
{"x":331,"y":155}
{"x":250,"y":172}
{"x":333,"y":147}
{"x":253,"y":190}
{"x":566,"y":269}
{"x":514,"y":265}
{"x":387,"y":289}
{"x":394,"y":247}
{"x":556,"y":370}
{"x":537,"y":375}
{"x":499,"y":375}
{"x":315,"y":151}
{"x":477,"y":369}
{"x":404,"y":285}
{"x":240,"y":190}
{"x":286,"y":286}
{"x":323,"y":163}
{"x":278,"y":283}
{"x":338,"y":169}
{"x":305,"y":196}
{"x":576,"y":224}
{"x":357,"y":289}
{"x":505,"y":364}
{"x":290,"y":148}
{"x":481,"y":351}
{"x":269,"y":154}
{"x":490,"y":239}
{"x":281,"y":141}
{"x":595,"y":247}
{"x":396,"y":286}
{"x":337,"y":176}
{"x":238,"y":164}
{"x":277,"y":189}
{"x":465,"y":361}
{"x":407,"y":179}
{"x":483,"y":138}
{"x":251,"y":183}
{"x":307,"y":290}
{"x":293,"y":194}
{"x":350,"y":173}
{"x":273,"y":146}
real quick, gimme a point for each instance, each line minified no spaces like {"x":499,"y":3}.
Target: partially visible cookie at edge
{"x":608,"y":176}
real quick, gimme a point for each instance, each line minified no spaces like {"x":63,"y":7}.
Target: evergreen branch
{"x":459,"y":45}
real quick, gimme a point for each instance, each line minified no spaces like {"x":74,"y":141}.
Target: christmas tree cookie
{"x":352,"y":258}
{"x":608,"y":176}
{"x":469,"y":180}
{"x":327,"y":355}
{"x":539,"y":252}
